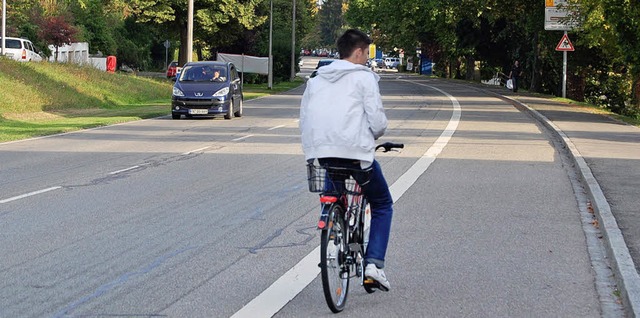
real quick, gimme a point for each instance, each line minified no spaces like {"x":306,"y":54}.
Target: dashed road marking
{"x":30,"y":194}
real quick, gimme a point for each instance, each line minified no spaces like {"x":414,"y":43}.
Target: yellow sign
{"x":372,"y":51}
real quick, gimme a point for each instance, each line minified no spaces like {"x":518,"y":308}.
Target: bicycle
{"x":344,"y":228}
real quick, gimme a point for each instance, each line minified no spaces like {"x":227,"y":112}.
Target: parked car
{"x":172,"y":69}
{"x":377,"y":63}
{"x":391,"y":62}
{"x":21,"y":50}
{"x":207,"y":89}
{"x":321,"y":63}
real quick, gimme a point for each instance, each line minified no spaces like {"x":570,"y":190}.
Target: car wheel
{"x":229,"y":113}
{"x":175,"y":116}
{"x":238,"y":113}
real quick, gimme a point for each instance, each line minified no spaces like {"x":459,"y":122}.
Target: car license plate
{"x":198,"y":111}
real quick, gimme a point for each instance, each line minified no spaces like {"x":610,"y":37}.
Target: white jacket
{"x":341,"y":114}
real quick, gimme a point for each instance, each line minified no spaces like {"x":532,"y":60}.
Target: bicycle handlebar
{"x":388,"y":146}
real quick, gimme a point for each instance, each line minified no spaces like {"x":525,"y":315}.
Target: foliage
{"x":57,"y":31}
{"x":456,"y":33}
{"x":211,"y":17}
{"x":330,"y":22}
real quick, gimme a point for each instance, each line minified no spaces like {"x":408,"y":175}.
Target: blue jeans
{"x":381,"y":202}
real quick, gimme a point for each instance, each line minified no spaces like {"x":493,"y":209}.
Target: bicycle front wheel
{"x":334,"y":271}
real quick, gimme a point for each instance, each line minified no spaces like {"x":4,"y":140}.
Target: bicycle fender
{"x":324,"y":216}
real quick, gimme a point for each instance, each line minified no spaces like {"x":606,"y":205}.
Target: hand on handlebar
{"x":388,"y":146}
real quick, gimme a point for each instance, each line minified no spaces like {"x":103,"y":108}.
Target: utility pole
{"x":293,"y":42}
{"x":4,"y":25}
{"x":270,"y":76}
{"x":190,"y":32}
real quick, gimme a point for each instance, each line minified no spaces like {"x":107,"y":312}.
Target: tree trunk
{"x":184,"y":37}
{"x":635,"y":95}
{"x":199,"y":52}
{"x":534,"y":65}
{"x":471,"y":66}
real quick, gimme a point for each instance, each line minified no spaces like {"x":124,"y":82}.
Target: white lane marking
{"x":30,"y":194}
{"x":276,"y":127}
{"x":196,"y":150}
{"x":272,"y":299}
{"x":409,"y":178}
{"x":283,"y":290}
{"x":243,"y":137}
{"x":123,"y":170}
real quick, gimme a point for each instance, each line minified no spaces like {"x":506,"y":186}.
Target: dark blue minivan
{"x":207,"y":89}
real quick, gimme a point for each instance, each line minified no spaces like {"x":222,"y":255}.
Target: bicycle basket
{"x":316,"y":176}
{"x":333,"y":179}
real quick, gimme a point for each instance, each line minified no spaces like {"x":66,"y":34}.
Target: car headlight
{"x":177,"y":92}
{"x":222,"y":92}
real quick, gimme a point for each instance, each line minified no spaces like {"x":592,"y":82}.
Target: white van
{"x":391,"y":62}
{"x":20,"y":50}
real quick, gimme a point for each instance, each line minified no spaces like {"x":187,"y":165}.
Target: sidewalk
{"x":607,"y":152}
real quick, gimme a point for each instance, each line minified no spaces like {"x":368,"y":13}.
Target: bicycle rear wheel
{"x":334,"y":271}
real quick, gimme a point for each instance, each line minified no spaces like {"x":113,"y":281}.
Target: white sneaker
{"x":377,"y":274}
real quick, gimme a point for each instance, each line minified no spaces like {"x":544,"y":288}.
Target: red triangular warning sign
{"x":565,"y":44}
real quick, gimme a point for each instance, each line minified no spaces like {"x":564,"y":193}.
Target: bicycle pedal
{"x":368,"y":282}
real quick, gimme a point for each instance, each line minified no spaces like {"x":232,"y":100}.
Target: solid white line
{"x":272,"y":299}
{"x":123,"y":170}
{"x":276,"y":127}
{"x":29,"y":194}
{"x":409,"y":178}
{"x":197,"y":150}
{"x":243,"y":137}
{"x":283,"y":290}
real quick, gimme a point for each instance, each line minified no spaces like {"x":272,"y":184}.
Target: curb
{"x":623,"y":267}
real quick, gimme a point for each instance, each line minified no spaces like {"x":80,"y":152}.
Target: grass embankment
{"x":599,"y":110}
{"x":38,"y":99}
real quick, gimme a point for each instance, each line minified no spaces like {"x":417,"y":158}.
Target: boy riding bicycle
{"x":341,"y":116}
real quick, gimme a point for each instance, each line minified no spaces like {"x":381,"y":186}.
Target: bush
{"x":611,"y":91}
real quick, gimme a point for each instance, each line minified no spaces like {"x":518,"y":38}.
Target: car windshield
{"x":203,"y":73}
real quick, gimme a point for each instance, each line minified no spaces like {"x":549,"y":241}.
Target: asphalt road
{"x":196,"y":218}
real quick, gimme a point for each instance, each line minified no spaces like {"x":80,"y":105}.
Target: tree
{"x":58,"y":32}
{"x":330,"y":21}
{"x":614,"y":27}
{"x":210,"y":15}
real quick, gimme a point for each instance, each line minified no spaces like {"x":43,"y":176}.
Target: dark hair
{"x":351,"y":40}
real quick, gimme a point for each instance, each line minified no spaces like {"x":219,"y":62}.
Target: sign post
{"x":167,"y":44}
{"x":565,"y":46}
{"x":559,"y":19}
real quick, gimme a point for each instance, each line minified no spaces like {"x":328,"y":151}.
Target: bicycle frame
{"x":343,"y":219}
{"x":354,"y":207}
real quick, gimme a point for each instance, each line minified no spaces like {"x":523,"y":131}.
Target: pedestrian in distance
{"x":341,"y":116}
{"x":514,"y":75}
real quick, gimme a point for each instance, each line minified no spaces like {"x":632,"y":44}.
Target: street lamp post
{"x":4,"y":25}
{"x":190,"y":32}
{"x":270,"y":76}
{"x":293,"y":42}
